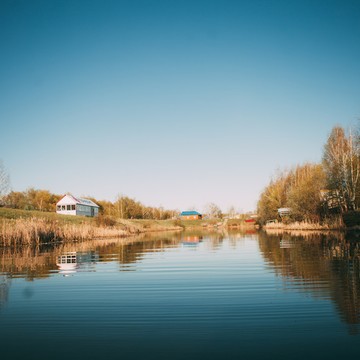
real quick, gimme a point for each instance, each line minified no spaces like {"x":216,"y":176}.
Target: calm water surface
{"x":183,"y":296}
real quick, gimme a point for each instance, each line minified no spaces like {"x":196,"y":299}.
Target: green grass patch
{"x":6,"y":213}
{"x":198,"y":223}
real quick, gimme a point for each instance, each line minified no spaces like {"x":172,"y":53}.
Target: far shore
{"x":24,"y":227}
{"x":33,"y":228}
{"x":305,"y":226}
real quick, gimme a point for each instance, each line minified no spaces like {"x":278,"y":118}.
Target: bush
{"x":351,"y":218}
{"x":103,"y":220}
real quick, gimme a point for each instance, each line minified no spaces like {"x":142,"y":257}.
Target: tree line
{"x":124,"y":207}
{"x":315,"y":191}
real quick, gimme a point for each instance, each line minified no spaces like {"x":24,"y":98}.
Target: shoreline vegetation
{"x":34,"y":228}
{"x":335,"y":223}
{"x":317,"y":196}
{"x":24,"y":227}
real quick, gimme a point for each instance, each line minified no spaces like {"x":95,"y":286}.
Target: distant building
{"x":251,"y":218}
{"x":284,"y":212}
{"x":71,"y":205}
{"x":250,"y":221}
{"x":190,"y":215}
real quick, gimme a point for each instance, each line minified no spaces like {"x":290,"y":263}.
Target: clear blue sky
{"x":174,"y":103}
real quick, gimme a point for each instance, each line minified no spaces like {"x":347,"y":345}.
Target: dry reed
{"x":329,"y":224}
{"x":36,"y":231}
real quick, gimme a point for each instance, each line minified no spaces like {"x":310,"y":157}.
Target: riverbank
{"x":207,"y":224}
{"x":22,"y":227}
{"x":306,"y":226}
{"x":346,"y":221}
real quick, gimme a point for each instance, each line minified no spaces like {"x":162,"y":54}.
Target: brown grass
{"x":36,"y":231}
{"x":330,"y":224}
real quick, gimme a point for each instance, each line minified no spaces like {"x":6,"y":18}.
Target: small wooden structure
{"x":190,"y":215}
{"x":332,"y":200}
{"x":71,"y":205}
{"x":283,"y":212}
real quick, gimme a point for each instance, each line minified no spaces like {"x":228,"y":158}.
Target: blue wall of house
{"x":85,"y":210}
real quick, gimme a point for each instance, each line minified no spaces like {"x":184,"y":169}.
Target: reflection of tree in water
{"x":345,"y":263}
{"x":27,"y":262}
{"x":327,"y":265}
{"x":38,"y":262}
{"x":215,"y":238}
{"x":4,"y":290}
{"x":131,"y":252}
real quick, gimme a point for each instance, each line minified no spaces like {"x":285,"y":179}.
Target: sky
{"x":173,"y":103}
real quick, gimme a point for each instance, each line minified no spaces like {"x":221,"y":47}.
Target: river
{"x":221,"y":295}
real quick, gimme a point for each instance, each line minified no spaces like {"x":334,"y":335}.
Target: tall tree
{"x":232,"y":212}
{"x":342,"y":166}
{"x":304,"y":194}
{"x":274,"y":196}
{"x":213,"y":211}
{"x":16,"y":200}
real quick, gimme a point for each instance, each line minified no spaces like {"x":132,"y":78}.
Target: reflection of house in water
{"x":192,"y":240}
{"x":71,"y":262}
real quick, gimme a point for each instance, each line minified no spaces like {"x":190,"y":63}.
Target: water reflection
{"x":323,"y":265}
{"x":42,"y":261}
{"x":326,"y":266}
{"x":192,"y":240}
{"x":227,"y":295}
{"x":4,"y":290}
{"x":73,"y":261}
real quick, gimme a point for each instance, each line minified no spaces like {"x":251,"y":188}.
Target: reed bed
{"x":35,"y":231}
{"x":307,"y":234}
{"x":333,"y":224}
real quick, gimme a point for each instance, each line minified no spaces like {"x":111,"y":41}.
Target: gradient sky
{"x":174,"y":103}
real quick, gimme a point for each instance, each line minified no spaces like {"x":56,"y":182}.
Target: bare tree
{"x":213,"y":211}
{"x":232,"y":212}
{"x":353,"y":161}
{"x":4,"y":182}
{"x":342,"y":165}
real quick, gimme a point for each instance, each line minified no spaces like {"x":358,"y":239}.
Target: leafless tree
{"x":342,"y":165}
{"x":213,"y":211}
{"x":232,"y":212}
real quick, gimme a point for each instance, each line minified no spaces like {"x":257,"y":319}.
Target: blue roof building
{"x":190,"y":215}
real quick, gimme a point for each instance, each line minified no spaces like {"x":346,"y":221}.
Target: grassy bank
{"x":20,"y":227}
{"x":331,"y":224}
{"x":215,"y":223}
